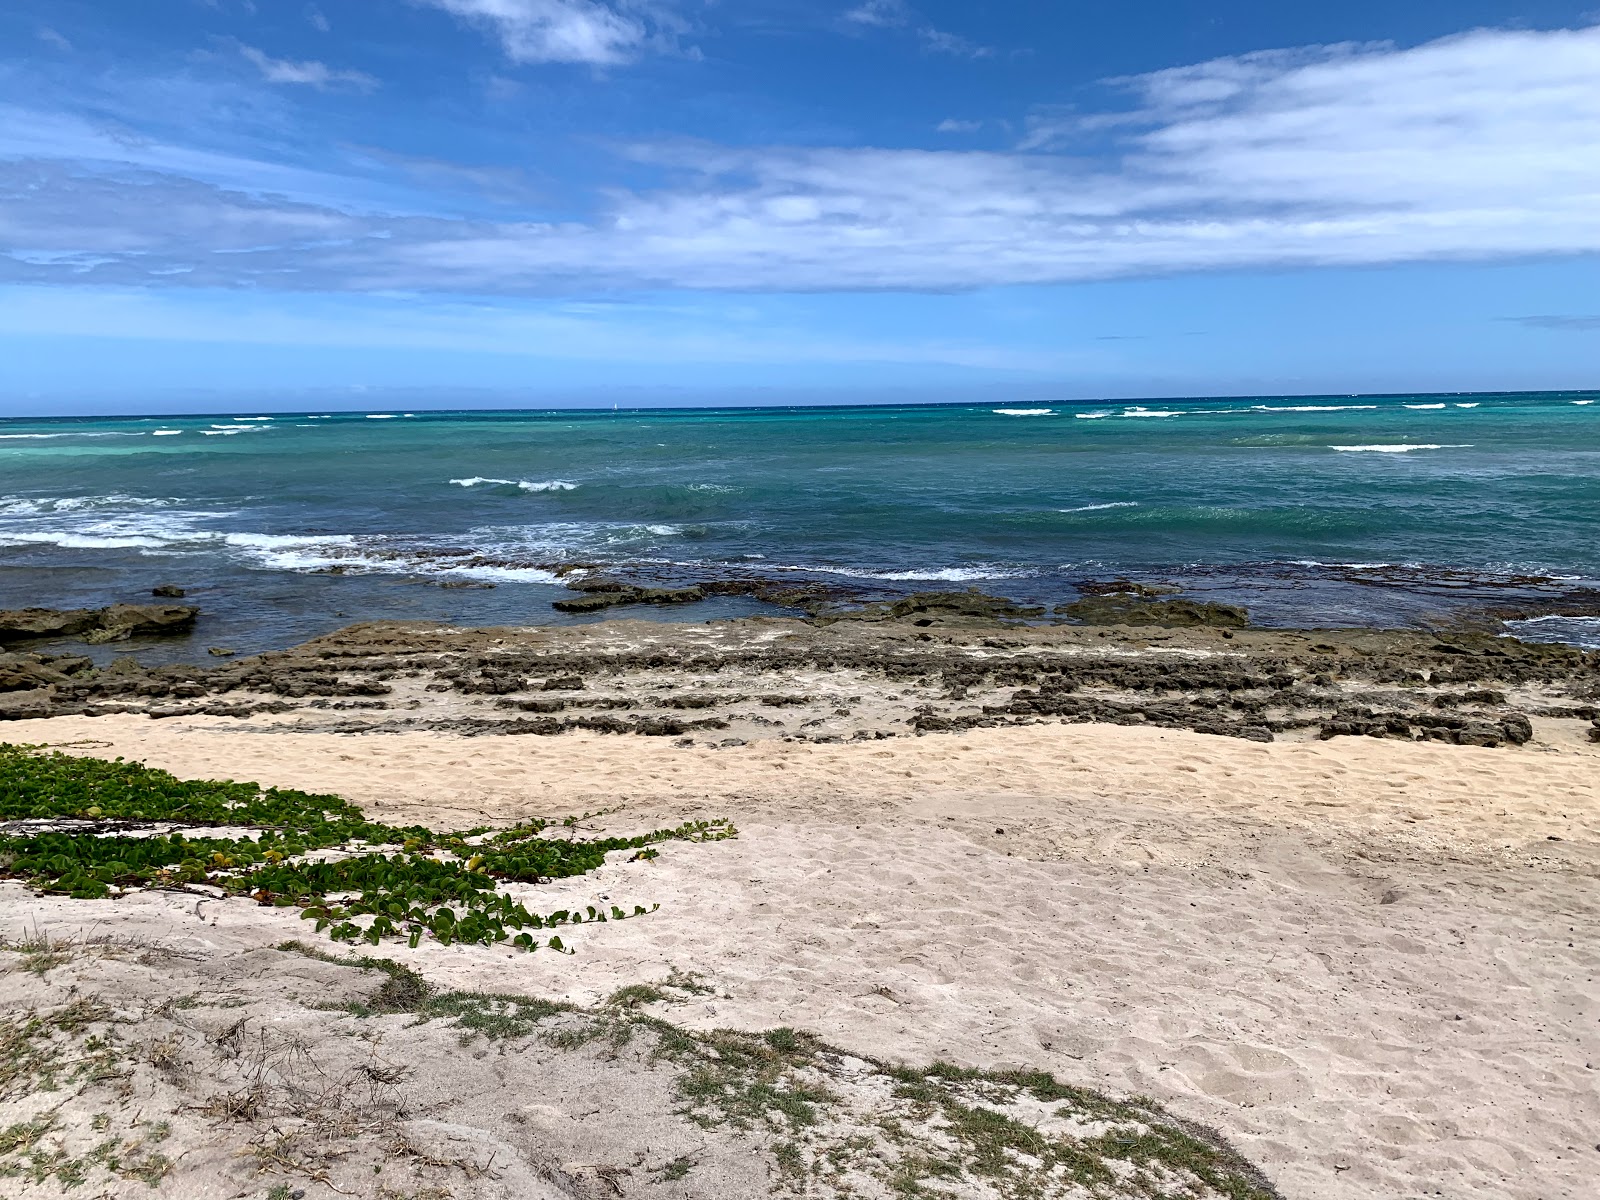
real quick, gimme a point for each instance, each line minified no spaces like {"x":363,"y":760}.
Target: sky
{"x":507,"y":203}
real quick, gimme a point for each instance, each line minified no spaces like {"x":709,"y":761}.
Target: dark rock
{"x":20,"y":624}
{"x":539,"y":705}
{"x":564,"y":683}
{"x":608,"y":593}
{"x":25,"y":705}
{"x":934,"y":608}
{"x":123,"y":621}
{"x":21,"y":672}
{"x":221,"y":652}
{"x":168,"y":591}
{"x":1124,"y":609}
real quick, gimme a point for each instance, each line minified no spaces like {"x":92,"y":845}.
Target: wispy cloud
{"x":884,"y":14}
{"x":1572,"y":324}
{"x":1479,"y":146}
{"x":897,"y":14}
{"x":938,"y":41}
{"x":310,"y":74}
{"x":569,"y":31}
{"x":51,"y":37}
{"x":952,"y":125}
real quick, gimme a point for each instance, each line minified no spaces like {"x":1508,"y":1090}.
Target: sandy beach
{"x":1370,"y":964}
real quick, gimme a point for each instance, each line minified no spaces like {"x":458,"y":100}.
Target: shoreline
{"x":1354,"y":934}
{"x":946,"y":662}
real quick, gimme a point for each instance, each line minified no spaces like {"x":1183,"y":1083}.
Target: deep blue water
{"x":1312,"y":511}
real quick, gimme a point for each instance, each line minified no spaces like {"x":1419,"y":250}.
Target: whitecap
{"x":1025,"y":412}
{"x":1093,"y":416}
{"x":1101,"y":507}
{"x":30,"y":436}
{"x":1474,"y":404}
{"x":1151,"y":412}
{"x":276,"y":541}
{"x":165,"y":432}
{"x":380,"y":416}
{"x":1583,"y":401}
{"x":1424,"y":406}
{"x":1404,"y":448}
{"x":81,"y":541}
{"x":1299,"y":408}
{"x":252,"y":418}
{"x":543,"y":485}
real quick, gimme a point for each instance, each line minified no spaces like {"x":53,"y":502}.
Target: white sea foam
{"x":81,"y":541}
{"x":1474,"y":404}
{"x":1025,"y":412}
{"x":1297,"y":408}
{"x":503,"y":574}
{"x":252,"y":418}
{"x":1093,"y":416}
{"x":1583,"y":402}
{"x":229,"y":430}
{"x":47,"y":505}
{"x":1574,"y":631}
{"x":1405,"y":448}
{"x":927,"y":575}
{"x":1140,"y":411}
{"x":12,"y":437}
{"x":71,"y":523}
{"x":380,"y":416}
{"x":1083,"y":508}
{"x":165,"y":432}
{"x":278,"y":541}
{"x":1425,"y":406}
{"x":543,"y":485}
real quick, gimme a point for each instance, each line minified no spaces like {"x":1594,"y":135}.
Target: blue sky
{"x":506,"y":202}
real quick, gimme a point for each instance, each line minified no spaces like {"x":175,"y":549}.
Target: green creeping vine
{"x":446,"y":885}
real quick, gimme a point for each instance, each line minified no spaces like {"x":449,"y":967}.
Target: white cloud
{"x":887,"y":14}
{"x":938,"y":41}
{"x":1479,"y":146}
{"x":951,"y":125}
{"x":897,"y":14}
{"x":312,"y":74}
{"x":46,"y":34}
{"x":570,"y":31}
{"x":316,"y":19}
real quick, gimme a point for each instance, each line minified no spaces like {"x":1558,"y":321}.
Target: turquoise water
{"x":1313,"y":511}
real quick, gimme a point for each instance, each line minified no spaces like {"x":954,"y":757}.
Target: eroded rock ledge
{"x":899,"y":674}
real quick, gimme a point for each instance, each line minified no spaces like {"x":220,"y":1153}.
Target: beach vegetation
{"x":92,"y":828}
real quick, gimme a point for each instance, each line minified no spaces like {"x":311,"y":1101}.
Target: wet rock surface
{"x":885,"y":674}
{"x":1138,"y":608}
{"x":117,"y":623}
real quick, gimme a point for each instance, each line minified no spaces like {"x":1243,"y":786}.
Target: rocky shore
{"x":930,"y":663}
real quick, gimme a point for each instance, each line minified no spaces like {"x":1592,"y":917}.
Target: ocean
{"x":1322,"y":511}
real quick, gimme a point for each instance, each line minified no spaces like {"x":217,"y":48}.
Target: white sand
{"x":1364,"y":962}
